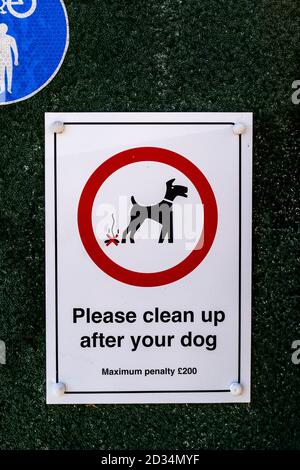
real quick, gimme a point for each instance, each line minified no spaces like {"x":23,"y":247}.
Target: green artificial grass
{"x":161,"y":55}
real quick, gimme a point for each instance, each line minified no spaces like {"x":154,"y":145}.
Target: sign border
{"x":95,"y":251}
{"x":114,"y":392}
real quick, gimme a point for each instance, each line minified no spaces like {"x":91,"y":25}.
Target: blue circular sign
{"x":34,"y":37}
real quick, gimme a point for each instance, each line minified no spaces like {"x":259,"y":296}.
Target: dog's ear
{"x":170,"y":182}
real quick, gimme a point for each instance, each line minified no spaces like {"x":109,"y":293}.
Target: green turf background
{"x":161,"y":55}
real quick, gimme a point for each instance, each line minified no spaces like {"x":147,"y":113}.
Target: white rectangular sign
{"x":148,"y":257}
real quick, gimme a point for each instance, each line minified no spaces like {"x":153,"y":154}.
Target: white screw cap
{"x":239,"y":128}
{"x":236,"y":388}
{"x":57,"y":127}
{"x":59,"y":389}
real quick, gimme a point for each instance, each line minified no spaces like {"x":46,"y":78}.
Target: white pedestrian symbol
{"x":30,"y":6}
{"x":7,"y":46}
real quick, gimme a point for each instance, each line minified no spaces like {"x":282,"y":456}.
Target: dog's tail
{"x":133,"y":201}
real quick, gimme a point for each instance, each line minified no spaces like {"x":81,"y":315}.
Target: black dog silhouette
{"x":161,"y":212}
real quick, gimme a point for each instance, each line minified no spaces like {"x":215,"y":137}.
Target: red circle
{"x":141,"y":154}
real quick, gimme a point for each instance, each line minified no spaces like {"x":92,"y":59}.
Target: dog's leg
{"x":135,"y":214}
{"x":170,"y":231}
{"x":134,"y":226}
{"x":124,"y":234}
{"x":164,"y":220}
{"x":163,"y":233}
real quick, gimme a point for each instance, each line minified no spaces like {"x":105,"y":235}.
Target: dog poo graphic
{"x":161,"y":212}
{"x":112,"y":238}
